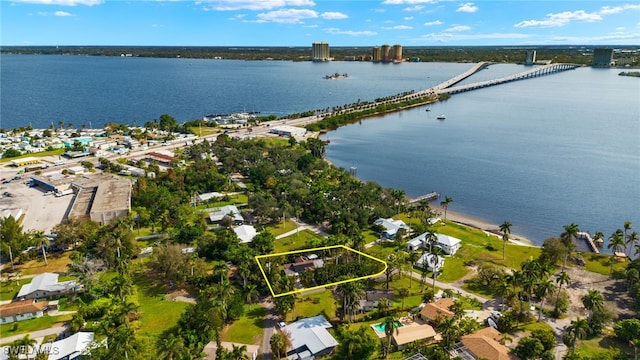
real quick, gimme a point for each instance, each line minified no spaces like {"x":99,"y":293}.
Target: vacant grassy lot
{"x":56,"y":263}
{"x":321,"y":303}
{"x":157,"y":313}
{"x":9,"y":289}
{"x":297,"y":241}
{"x":279,"y":229}
{"x":248,"y":329}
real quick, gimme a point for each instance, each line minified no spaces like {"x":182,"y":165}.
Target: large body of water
{"x":541,"y":153}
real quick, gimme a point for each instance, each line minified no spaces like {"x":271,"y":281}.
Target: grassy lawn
{"x":57,"y":263}
{"x":233,"y":200}
{"x":9,"y":289}
{"x":602,"y":348}
{"x":41,"y":323}
{"x":601,"y":263}
{"x":296,"y":241}
{"x":40,"y":154}
{"x":205,"y":130}
{"x":248,"y":329}
{"x":279,"y":229}
{"x":158,"y":314}
{"x":453,"y":270}
{"x":321,"y":303}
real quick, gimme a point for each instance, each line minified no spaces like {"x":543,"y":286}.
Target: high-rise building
{"x":376,"y":54}
{"x":530,"y":59}
{"x":386,"y":49}
{"x":320,"y":51}
{"x":602,"y":57}
{"x":397,"y":52}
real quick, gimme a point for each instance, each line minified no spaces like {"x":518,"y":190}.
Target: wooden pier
{"x":426,"y":197}
{"x":585,"y":238}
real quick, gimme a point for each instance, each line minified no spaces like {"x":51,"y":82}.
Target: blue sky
{"x":301,"y":22}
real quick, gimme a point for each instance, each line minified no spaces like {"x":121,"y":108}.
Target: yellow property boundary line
{"x":258,"y":257}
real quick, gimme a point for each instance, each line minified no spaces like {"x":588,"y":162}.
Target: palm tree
{"x":561,"y":279}
{"x":390,"y":326}
{"x":593,"y":300}
{"x":39,"y":239}
{"x":628,"y":225}
{"x":543,"y":289}
{"x":577,"y":330}
{"x":598,"y":239}
{"x":505,"y":227}
{"x":277,"y":345}
{"x":616,"y":243}
{"x":633,"y":240}
{"x":239,"y":353}
{"x":171,"y":347}
{"x":403,"y":293}
{"x":445,"y":205}
{"x":383,"y":306}
{"x":411,"y":259}
{"x":251,"y":293}
{"x":351,"y":293}
{"x":568,"y":238}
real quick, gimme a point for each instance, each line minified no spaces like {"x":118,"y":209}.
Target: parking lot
{"x":40,"y":212}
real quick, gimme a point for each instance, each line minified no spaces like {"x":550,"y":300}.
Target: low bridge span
{"x":528,"y":74}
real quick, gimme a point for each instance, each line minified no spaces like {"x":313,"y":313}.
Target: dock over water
{"x":585,"y":243}
{"x":426,"y":197}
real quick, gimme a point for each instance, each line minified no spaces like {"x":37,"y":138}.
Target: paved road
{"x":270,"y":320}
{"x":35,"y":334}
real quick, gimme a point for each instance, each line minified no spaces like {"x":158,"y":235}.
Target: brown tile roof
{"x":408,"y":334}
{"x":22,"y":307}
{"x":432,"y":311}
{"x":484,"y":344}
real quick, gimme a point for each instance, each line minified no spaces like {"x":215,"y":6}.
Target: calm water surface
{"x":541,"y":153}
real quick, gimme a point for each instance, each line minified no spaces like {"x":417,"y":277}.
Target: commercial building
{"x":376,"y":54}
{"x":320,"y":51}
{"x":602,"y":57}
{"x":530,"y":58}
{"x":112,"y":201}
{"x":397,"y":53}
{"x":386,"y":52}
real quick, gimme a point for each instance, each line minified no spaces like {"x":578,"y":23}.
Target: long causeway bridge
{"x":447,"y":86}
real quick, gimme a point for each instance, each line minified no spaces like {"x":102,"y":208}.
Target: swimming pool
{"x":379,"y":328}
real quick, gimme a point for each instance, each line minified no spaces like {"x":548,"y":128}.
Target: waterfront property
{"x":431,"y":262}
{"x":447,"y":243}
{"x":391,"y":227}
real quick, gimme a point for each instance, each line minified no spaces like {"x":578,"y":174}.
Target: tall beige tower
{"x":320,"y":51}
{"x":397,"y":52}
{"x":386,"y":49}
{"x":376,"y":54}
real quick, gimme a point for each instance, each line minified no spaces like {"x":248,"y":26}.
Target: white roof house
{"x":71,"y":347}
{"x":46,"y":285}
{"x":391,"y":226}
{"x":310,"y":338}
{"x":447,"y":243}
{"x":217,"y":214}
{"x":428,"y":259}
{"x":245,"y":233}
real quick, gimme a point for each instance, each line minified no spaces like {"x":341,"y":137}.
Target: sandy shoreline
{"x":477,"y":223}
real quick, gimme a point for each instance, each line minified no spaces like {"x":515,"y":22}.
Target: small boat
{"x":427,"y":109}
{"x":441,"y":117}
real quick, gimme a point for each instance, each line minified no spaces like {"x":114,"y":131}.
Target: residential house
{"x":302,"y":264}
{"x":70,"y":348}
{"x":433,"y":310}
{"x":310,"y":338}
{"x":431,"y":262}
{"x":447,"y":243}
{"x":22,"y":310}
{"x":411,"y":333}
{"x":484,"y":344}
{"x":373,"y":296}
{"x":45,"y":286}
{"x":391,"y":227}
{"x":217,"y":214}
{"x":245,"y":233}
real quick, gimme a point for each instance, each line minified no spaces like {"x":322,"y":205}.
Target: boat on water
{"x":441,"y":117}
{"x":427,"y":109}
{"x":336,"y":76}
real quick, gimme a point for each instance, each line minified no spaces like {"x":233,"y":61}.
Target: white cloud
{"x":608,"y":10}
{"x":157,"y":25}
{"x":407,"y":18}
{"x":624,"y":38}
{"x":62,"y":2}
{"x":255,"y":5}
{"x":287,"y":16}
{"x":561,"y":19}
{"x":468,"y":8}
{"x":397,"y":27}
{"x":408,"y":2}
{"x":458,"y":28}
{"x":414,"y":8}
{"x":57,"y":13}
{"x":620,"y":28}
{"x":332,"y":15}
{"x":433,"y":23}
{"x":451,"y":37}
{"x":337,"y":31}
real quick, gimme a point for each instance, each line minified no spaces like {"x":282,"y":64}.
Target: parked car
{"x":496,"y":315}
